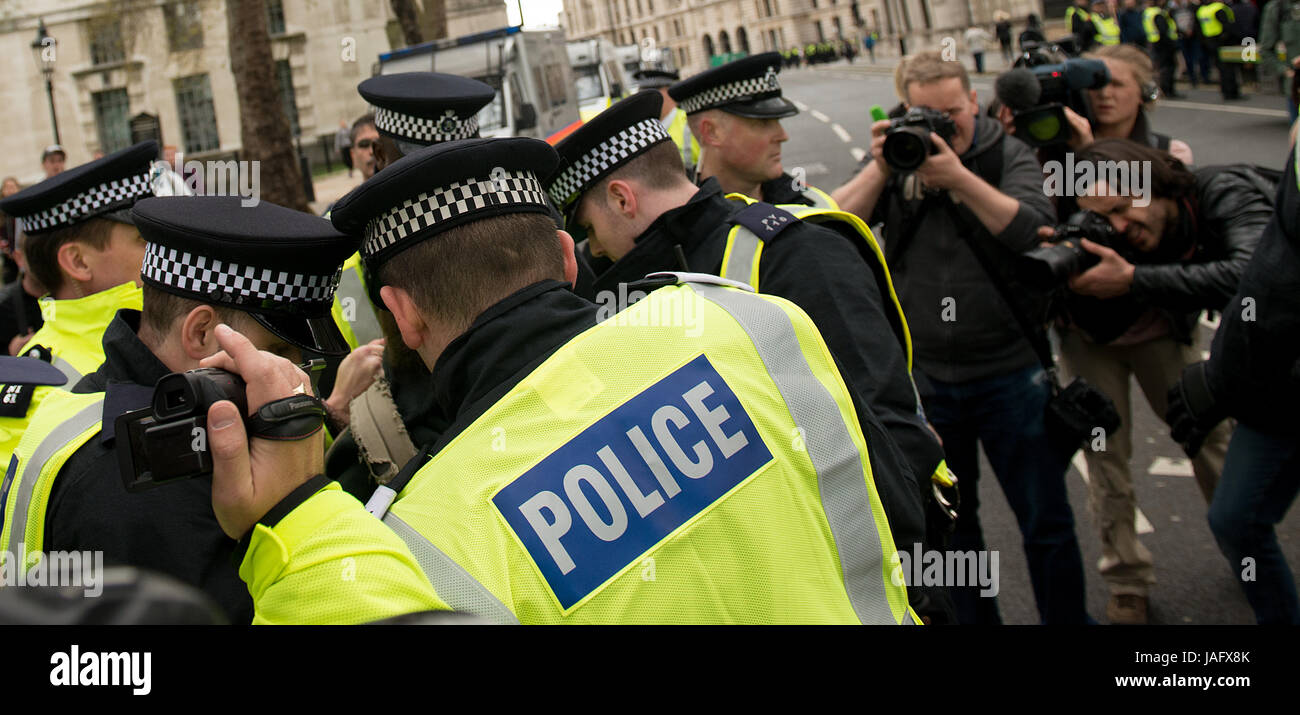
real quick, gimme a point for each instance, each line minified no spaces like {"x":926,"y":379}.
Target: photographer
{"x":1133,"y":315}
{"x":986,"y":383}
{"x":1121,"y":107}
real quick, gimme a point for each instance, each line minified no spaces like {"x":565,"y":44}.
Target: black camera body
{"x":907,"y":141}
{"x":1047,"y":267}
{"x":167,"y":441}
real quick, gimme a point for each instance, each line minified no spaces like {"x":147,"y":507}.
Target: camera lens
{"x":906,"y":148}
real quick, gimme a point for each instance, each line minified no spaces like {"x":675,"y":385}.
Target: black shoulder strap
{"x":970,"y":230}
{"x":1160,"y":141}
{"x":764,"y":220}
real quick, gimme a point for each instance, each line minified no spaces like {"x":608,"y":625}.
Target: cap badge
{"x":448,"y":123}
{"x":770,"y":78}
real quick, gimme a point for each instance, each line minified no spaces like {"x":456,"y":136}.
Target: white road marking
{"x":799,"y":105}
{"x":1141,"y":523}
{"x":819,"y":116}
{"x":841,"y":133}
{"x":1180,"y":104}
{"x":858,"y":153}
{"x":1166,"y":467}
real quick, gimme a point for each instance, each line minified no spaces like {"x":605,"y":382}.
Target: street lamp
{"x":43,"y":48}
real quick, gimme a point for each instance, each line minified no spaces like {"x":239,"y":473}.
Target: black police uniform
{"x":817,"y":267}
{"x":282,"y":263}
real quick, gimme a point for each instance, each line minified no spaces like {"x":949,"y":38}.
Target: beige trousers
{"x":1157,"y":364}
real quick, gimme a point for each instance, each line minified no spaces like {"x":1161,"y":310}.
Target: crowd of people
{"x":584,"y":384}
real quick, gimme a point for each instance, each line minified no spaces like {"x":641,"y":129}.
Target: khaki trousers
{"x":1157,"y":364}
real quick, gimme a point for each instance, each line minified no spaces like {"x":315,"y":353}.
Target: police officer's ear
{"x":712,"y":128}
{"x":409,"y":322}
{"x":620,"y":198}
{"x":570,"y":260}
{"x":197,"y":332}
{"x":73,"y":261}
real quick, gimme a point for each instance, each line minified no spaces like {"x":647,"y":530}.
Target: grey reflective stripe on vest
{"x":365,"y":326}
{"x":845,"y":498}
{"x":455,"y":586}
{"x":67,"y":431}
{"x":744,"y":248}
{"x":68,"y":371}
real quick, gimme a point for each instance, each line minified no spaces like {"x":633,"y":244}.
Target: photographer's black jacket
{"x":822,"y":272}
{"x":1254,"y":367}
{"x":1220,"y":227}
{"x":171,"y":529}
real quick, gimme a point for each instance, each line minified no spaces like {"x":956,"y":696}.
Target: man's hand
{"x":1111,"y":278}
{"x":878,"y":130}
{"x":356,"y":373}
{"x":19,"y":341}
{"x":249,"y":479}
{"x":1080,"y":130}
{"x":943,"y":170}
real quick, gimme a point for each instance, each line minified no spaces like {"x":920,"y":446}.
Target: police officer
{"x":267,"y":270}
{"x":391,"y":420}
{"x":618,"y":185}
{"x":578,"y":450}
{"x":1106,"y":28}
{"x":1162,"y":37}
{"x":1081,"y":26}
{"x":1217,"y":22}
{"x":1280,"y":22}
{"x":673,"y":118}
{"x":82,"y":246}
{"x":735,"y":113}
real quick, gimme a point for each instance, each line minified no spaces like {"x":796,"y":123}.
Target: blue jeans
{"x":1261,"y":476}
{"x":1005,"y":414}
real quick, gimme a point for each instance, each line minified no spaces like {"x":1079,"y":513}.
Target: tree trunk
{"x":435,"y":15}
{"x":263,"y":126}
{"x":404,"y":11}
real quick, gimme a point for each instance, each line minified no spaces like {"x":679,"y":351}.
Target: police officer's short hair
{"x":928,"y":67}
{"x":43,"y":249}
{"x":464,"y":270}
{"x":660,"y":167}
{"x":161,"y":310}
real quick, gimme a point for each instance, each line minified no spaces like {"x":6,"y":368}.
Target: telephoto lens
{"x":1047,"y":267}
{"x":906,"y":148}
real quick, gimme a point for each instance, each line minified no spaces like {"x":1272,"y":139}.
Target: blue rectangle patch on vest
{"x":595,"y":505}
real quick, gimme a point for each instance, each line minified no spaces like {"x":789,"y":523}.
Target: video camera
{"x":907,"y":141}
{"x":1041,"y":86}
{"x":167,"y":441}
{"x":1047,"y":267}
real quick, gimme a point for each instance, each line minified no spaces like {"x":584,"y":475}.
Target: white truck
{"x":528,"y":68}
{"x":599,"y":79}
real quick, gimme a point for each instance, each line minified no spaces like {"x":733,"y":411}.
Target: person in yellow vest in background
{"x":1106,"y":30}
{"x":69,"y":493}
{"x":641,"y":469}
{"x":1217,"y":23}
{"x":82,"y":245}
{"x":1162,"y":37}
{"x":673,"y":118}
{"x":735,"y":113}
{"x":1079,"y":22}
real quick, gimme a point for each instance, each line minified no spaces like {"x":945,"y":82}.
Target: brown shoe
{"x":1127,"y":610}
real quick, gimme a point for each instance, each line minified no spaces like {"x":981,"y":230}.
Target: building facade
{"x":116,"y":59}
{"x":696,"y":31}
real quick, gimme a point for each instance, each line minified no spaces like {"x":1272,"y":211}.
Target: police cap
{"x":278,"y":265}
{"x":439,"y":187}
{"x":654,"y":78}
{"x":426,"y":108}
{"x":746,"y":87}
{"x":100,"y":188}
{"x":611,"y":139}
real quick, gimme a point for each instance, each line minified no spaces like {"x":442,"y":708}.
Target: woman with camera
{"x":1177,"y":243}
{"x":1120,"y":108}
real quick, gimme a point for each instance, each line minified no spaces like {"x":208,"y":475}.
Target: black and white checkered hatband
{"x":579,"y":176}
{"x":91,"y":202}
{"x":745,"y":89}
{"x":503,"y":188}
{"x":448,"y":127}
{"x":235,"y":284}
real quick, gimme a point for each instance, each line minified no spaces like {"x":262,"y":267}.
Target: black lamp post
{"x":44,"y":50}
